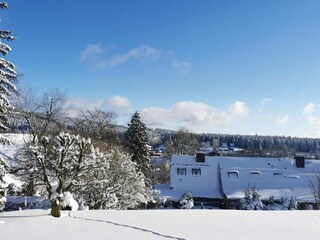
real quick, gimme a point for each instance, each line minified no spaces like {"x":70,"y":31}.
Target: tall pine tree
{"x":7,"y":76}
{"x":136,"y":141}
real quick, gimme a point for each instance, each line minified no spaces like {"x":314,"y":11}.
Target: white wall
{"x":205,"y":185}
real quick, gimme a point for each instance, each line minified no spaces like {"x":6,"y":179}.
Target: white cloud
{"x":182,"y":66}
{"x":95,"y":54}
{"x":239,"y":109}
{"x":119,"y":104}
{"x":309,"y":108}
{"x":314,"y":121}
{"x":195,"y":114}
{"x":266,"y":101}
{"x":280,"y":119}
{"x":91,"y":51}
{"x":310,"y":113}
{"x":143,"y":52}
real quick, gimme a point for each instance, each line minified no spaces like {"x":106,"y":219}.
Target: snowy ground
{"x":161,"y":224}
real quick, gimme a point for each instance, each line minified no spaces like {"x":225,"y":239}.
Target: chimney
{"x":200,"y":157}
{"x":299,"y":161}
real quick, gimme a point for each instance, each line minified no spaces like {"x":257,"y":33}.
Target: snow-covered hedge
{"x":19,"y":202}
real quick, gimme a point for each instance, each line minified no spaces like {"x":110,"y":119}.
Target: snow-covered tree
{"x":7,"y":77}
{"x":136,"y":141}
{"x":7,"y":88}
{"x":117,"y":185}
{"x":59,"y":163}
{"x":128,"y":184}
{"x":251,"y":200}
{"x":4,"y":168}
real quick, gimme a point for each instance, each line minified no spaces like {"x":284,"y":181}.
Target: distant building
{"x":217,"y":177}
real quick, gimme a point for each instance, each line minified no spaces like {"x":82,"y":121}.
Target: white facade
{"x":200,"y":178}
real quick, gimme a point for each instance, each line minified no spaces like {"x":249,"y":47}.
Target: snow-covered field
{"x":161,"y":224}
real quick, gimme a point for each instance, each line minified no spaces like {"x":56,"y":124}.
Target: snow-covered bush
{"x":2,"y":202}
{"x":13,"y":190}
{"x":14,"y":203}
{"x":161,"y":202}
{"x":186,"y":201}
{"x":273,"y":204}
{"x":67,"y":202}
{"x":82,"y":204}
{"x":290,"y":203}
{"x":251,"y":200}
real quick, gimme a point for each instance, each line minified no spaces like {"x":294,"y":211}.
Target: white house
{"x":217,"y":177}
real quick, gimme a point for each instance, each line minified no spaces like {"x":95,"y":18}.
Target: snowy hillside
{"x":161,"y":224}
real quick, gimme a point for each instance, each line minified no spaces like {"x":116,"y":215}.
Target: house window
{"x":233,"y":174}
{"x":196,"y":171}
{"x":182,"y":171}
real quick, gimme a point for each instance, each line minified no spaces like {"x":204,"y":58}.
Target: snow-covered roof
{"x":270,"y":176}
{"x":231,"y":176}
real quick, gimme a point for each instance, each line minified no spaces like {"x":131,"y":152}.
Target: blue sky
{"x":245,"y":67}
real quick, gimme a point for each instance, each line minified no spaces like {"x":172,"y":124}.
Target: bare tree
{"x":182,"y":143}
{"x":41,"y":114}
{"x":99,"y":125}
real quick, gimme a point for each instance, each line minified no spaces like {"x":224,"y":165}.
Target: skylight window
{"x":233,"y":174}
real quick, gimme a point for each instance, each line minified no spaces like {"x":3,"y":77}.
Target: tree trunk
{"x":55,"y":208}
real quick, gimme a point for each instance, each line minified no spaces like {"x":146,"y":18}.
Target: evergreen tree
{"x":251,"y":200}
{"x":7,"y":76}
{"x":136,"y":141}
{"x":3,"y":170}
{"x":128,"y":184}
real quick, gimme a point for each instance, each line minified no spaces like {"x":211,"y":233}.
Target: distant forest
{"x":253,"y":145}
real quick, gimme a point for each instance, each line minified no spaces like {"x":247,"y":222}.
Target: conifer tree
{"x":7,"y":76}
{"x":136,"y":142}
{"x":3,"y":170}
